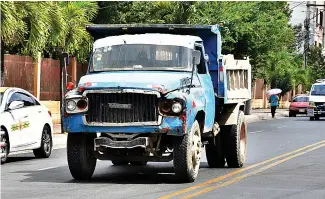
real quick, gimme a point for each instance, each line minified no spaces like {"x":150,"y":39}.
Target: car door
{"x":19,"y":122}
{"x":38,"y":118}
{"x":33,"y":125}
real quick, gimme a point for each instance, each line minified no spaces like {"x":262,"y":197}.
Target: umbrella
{"x":274,"y":91}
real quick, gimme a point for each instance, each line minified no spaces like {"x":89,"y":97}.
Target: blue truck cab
{"x":157,"y":93}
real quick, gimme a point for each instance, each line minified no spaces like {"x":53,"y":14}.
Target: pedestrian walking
{"x":274,"y":102}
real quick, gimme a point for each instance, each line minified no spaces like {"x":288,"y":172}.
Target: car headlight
{"x":177,"y":107}
{"x":71,"y":105}
{"x":312,"y":104}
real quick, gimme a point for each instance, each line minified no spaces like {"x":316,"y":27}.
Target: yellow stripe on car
{"x":3,"y":89}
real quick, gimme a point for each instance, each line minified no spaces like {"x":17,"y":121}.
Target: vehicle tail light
{"x":82,"y":104}
{"x":50,"y":113}
{"x":70,"y":86}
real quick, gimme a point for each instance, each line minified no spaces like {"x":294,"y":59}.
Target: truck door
{"x":207,"y":87}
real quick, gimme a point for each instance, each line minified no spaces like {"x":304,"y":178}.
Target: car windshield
{"x":141,"y":57}
{"x":1,"y":94}
{"x":301,"y":99}
{"x":318,"y":90}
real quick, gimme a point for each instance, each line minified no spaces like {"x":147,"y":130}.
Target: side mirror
{"x":16,"y":105}
{"x":196,"y":56}
{"x":64,"y":60}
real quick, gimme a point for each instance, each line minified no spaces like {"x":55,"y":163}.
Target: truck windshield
{"x":318,"y":90}
{"x":141,"y":57}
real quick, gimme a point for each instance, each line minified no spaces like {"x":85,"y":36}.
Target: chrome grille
{"x":320,"y":105}
{"x":122,"y":107}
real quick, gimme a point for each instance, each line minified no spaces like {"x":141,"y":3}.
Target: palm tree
{"x":47,"y":26}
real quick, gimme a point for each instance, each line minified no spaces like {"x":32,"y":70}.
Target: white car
{"x":25,"y":124}
{"x":316,"y":108}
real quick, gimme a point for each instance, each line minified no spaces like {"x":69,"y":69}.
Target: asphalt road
{"x":285,"y":159}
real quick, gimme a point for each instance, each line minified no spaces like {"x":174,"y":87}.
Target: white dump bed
{"x":237,"y":79}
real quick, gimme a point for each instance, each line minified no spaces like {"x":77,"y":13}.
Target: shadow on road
{"x":18,"y":159}
{"x":306,"y":119}
{"x":153,"y":173}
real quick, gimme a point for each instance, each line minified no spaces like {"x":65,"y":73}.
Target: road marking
{"x":255,"y":132}
{"x":236,"y":172}
{"x":280,"y":127}
{"x":47,"y":168}
{"x":237,"y":179}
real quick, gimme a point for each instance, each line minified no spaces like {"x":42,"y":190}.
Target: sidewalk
{"x":60,"y":139}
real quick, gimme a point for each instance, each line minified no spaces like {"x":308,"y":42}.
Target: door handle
{"x":26,"y":116}
{"x":39,"y":111}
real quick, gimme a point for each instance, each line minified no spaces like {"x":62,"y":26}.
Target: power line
{"x":296,"y":5}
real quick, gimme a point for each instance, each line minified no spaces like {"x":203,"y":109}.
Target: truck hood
{"x":148,"y":80}
{"x":314,"y":98}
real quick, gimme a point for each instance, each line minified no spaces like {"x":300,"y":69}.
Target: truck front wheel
{"x":236,"y":142}
{"x":187,"y":154}
{"x":81,"y":158}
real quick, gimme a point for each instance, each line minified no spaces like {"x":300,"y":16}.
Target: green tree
{"x":48,"y":27}
{"x":316,"y":63}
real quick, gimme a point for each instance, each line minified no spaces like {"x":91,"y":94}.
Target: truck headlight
{"x":177,"y":107}
{"x":312,"y":104}
{"x":71,"y":105}
{"x":171,"y":107}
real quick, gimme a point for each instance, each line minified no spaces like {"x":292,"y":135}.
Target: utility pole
{"x":323,"y":29}
{"x":307,"y":24}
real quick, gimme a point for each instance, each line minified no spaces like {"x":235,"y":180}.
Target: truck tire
{"x":80,"y":154}
{"x":316,"y":117}
{"x":235,"y":141}
{"x":214,"y":152}
{"x":138,"y":163}
{"x":187,"y":154}
{"x":248,"y":107}
{"x":120,"y":162}
{"x":311,"y":118}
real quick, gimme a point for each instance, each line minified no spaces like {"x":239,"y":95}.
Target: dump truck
{"x":157,"y":93}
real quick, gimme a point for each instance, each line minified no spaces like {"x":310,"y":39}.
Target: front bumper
{"x":298,"y":110}
{"x":311,"y":112}
{"x":105,"y":142}
{"x":169,"y":125}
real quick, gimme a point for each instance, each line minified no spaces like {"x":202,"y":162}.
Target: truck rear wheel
{"x":214,"y":152}
{"x":81,"y":158}
{"x":235,"y":141}
{"x":187,"y":154}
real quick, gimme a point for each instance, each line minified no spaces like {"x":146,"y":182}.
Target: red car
{"x":298,"y":105}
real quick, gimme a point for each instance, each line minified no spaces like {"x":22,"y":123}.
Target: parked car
{"x":25,"y":124}
{"x":298,"y":105}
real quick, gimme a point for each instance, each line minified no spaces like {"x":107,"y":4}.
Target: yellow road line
{"x":237,"y":179}
{"x":236,"y":172}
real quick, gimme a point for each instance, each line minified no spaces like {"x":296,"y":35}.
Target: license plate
{"x":301,"y":110}
{"x":310,"y":112}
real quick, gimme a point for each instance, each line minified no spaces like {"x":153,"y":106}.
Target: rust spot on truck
{"x":183,"y":118}
{"x":166,"y":129}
